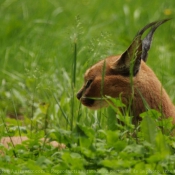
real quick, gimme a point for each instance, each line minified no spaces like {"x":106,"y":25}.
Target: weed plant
{"x":46,"y":46}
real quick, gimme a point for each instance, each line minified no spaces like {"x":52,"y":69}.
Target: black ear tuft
{"x":129,"y":62}
{"x":146,"y":43}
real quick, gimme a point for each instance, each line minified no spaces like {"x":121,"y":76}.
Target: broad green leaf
{"x":148,"y":129}
{"x":111,"y":120}
{"x":113,"y":141}
{"x":43,"y":161}
{"x":85,"y":131}
{"x":112,"y":136}
{"x":86,"y":135}
{"x":161,"y":145}
{"x":73,"y":161}
{"x":88,"y":153}
{"x":118,"y":163}
{"x":152,"y":113}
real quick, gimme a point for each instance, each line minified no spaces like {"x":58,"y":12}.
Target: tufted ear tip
{"x":146,"y":43}
{"x":130,"y":60}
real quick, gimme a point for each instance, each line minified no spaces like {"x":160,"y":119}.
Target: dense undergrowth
{"x":118,"y":149}
{"x":46,"y":46}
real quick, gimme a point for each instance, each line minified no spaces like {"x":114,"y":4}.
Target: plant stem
{"x":74,"y":64}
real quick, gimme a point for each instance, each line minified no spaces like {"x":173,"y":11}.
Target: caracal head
{"x":112,"y":76}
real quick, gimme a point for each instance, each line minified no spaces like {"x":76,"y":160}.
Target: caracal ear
{"x":146,"y":43}
{"x":129,"y":62}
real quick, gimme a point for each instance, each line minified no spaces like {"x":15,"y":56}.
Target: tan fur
{"x":145,"y":86}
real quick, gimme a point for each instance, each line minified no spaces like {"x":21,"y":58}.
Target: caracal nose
{"x":79,"y":94}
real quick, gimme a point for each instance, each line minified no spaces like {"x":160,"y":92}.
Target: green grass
{"x":46,"y":46}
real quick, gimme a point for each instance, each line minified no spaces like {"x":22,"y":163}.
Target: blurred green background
{"x":37,"y":40}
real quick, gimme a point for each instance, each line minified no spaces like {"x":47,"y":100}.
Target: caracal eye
{"x":88,"y":83}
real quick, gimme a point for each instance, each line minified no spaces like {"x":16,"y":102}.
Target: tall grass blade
{"x":73,"y":82}
{"x":62,"y":111}
{"x":16,"y":116}
{"x":74,"y":64}
{"x":7,"y":130}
